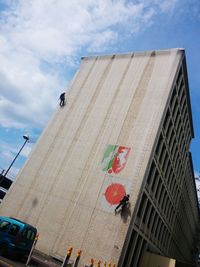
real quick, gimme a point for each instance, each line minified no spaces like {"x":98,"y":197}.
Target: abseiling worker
{"x":62,"y":99}
{"x":123,"y":202}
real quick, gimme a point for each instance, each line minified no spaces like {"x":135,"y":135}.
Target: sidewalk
{"x":40,"y":259}
{"x":37,"y":260}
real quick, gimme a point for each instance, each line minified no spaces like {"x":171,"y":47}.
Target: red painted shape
{"x":120,"y":159}
{"x":114,"y":193}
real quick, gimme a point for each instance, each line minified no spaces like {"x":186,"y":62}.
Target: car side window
{"x":4,"y":226}
{"x":14,"y":229}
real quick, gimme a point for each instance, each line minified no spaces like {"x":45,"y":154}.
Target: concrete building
{"x":126,"y":128}
{"x":197,"y":182}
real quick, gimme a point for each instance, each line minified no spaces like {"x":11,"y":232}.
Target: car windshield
{"x":29,"y":234}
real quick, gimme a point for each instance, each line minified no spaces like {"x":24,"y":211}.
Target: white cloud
{"x":40,"y":38}
{"x":40,"y":41}
{"x":13,"y":173}
{"x":26,"y":151}
{"x":8,"y":155}
{"x":168,"y":5}
{"x":103,"y":40}
{"x":197,"y":175}
{"x":10,"y":151}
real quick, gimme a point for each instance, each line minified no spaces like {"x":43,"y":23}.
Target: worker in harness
{"x":123,"y":203}
{"x":62,"y":99}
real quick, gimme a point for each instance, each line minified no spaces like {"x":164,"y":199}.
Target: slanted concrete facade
{"x":126,"y":128}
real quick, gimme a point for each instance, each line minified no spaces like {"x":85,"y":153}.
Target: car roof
{"x":16,"y":221}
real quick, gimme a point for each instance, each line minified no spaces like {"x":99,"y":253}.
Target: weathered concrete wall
{"x":63,"y":189}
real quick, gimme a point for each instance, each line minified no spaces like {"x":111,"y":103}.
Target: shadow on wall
{"x":34,"y":202}
{"x":125,"y":212}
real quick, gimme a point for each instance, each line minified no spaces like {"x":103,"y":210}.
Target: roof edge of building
{"x":137,"y":53}
{"x":188,"y":94}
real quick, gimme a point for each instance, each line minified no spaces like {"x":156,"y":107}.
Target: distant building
{"x":126,"y":128}
{"x":5,"y":183}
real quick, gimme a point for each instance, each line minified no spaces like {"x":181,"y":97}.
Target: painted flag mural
{"x":115,"y":158}
{"x":113,"y":190}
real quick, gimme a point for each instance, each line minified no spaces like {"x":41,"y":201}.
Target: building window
{"x":142,"y":206}
{"x":151,"y":173}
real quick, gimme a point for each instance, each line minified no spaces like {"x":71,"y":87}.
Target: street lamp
{"x":26,"y":138}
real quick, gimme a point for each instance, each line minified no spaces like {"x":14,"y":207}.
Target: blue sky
{"x":41,"y":43}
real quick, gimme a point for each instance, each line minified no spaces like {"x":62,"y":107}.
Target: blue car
{"x":16,"y":237}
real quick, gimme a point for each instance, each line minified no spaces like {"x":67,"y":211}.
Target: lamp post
{"x":26,"y":138}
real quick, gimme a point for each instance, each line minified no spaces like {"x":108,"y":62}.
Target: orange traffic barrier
{"x":69,"y":251}
{"x":37,"y":237}
{"x":67,"y":257}
{"x":91,"y":262}
{"x":77,"y":258}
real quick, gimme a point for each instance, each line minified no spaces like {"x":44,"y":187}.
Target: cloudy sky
{"x":42,"y":41}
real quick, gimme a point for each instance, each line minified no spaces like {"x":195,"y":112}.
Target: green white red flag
{"x":115,"y":158}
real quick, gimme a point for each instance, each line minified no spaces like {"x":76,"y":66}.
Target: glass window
{"x":173,"y":98}
{"x":180,"y":76}
{"x":168,"y":133}
{"x":4,"y":226}
{"x":159,"y":146}
{"x":147,"y":211}
{"x":151,"y":173}
{"x":161,"y":195}
{"x":165,"y":167}
{"x":29,"y":234}
{"x":167,"y":119}
{"x":142,"y":205}
{"x":156,"y":218}
{"x":150,"y":217}
{"x":158,"y":188}
{"x":155,"y":180}
{"x":181,"y":90}
{"x":14,"y":229}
